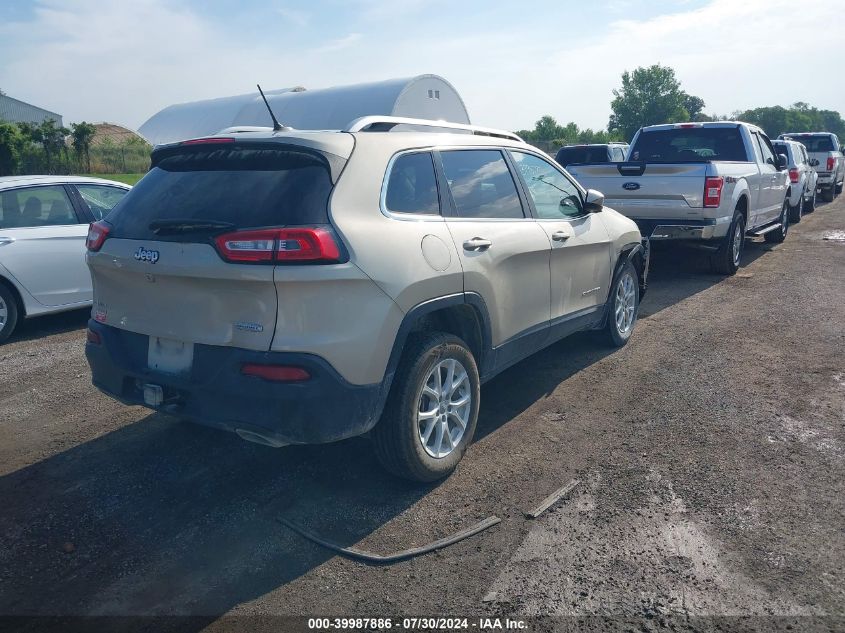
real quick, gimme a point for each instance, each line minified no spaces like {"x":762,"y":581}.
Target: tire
{"x":405,"y":443}
{"x":797,"y":212}
{"x":728,"y":258}
{"x":8,"y":313}
{"x":838,"y":189}
{"x":779,"y":235}
{"x":828,"y":193}
{"x":810,"y":205}
{"x":624,"y":304}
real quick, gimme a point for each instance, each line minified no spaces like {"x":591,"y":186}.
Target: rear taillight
{"x":97,"y":234}
{"x":275,"y":373}
{"x":713,"y":191}
{"x":793,"y":175}
{"x":831,"y":163}
{"x":301,"y":244}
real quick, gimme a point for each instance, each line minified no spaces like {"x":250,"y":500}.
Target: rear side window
{"x":249,"y":187}
{"x":689,"y":145}
{"x":814,"y":143}
{"x":412,"y":185}
{"x":481,"y":184}
{"x":31,"y":207}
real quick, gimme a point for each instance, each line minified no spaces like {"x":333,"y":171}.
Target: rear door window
{"x":31,"y":207}
{"x":412,"y":185}
{"x":245,"y":186}
{"x":689,"y":145}
{"x":481,"y":184}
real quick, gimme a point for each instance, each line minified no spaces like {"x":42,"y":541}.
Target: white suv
{"x":303,"y":287}
{"x":802,"y":177}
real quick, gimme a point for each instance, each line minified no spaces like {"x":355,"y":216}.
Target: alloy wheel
{"x":4,"y":313}
{"x":444,"y":408}
{"x":626,"y":303}
{"x":737,"y":243}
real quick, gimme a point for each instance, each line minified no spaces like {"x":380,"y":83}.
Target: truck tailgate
{"x":648,"y":190}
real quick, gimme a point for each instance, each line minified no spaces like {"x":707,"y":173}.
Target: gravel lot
{"x":711,"y":452}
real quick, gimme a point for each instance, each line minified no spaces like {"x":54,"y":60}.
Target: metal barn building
{"x":423,"y":97}
{"x":17,"y":111}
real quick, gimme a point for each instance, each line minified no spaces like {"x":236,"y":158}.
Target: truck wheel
{"x":796,"y":212}
{"x":811,"y":203}
{"x":727,"y":259}
{"x":624,"y":305}
{"x":8,"y":313}
{"x":430,"y":415}
{"x":779,"y":235}
{"x":828,"y":193}
{"x":839,"y":188}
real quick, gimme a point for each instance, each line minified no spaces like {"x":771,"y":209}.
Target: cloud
{"x":122,"y":61}
{"x":338,"y":44}
{"x":294,"y":16}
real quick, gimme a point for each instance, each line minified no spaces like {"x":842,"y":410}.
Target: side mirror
{"x":814,"y":162}
{"x":594,"y":201}
{"x":781,"y":161}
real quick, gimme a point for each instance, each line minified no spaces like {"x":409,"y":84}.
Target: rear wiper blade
{"x":170,"y":227}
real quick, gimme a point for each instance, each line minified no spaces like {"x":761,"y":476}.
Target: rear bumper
{"x":826,"y":179}
{"x":693,"y":230}
{"x":324,"y":408}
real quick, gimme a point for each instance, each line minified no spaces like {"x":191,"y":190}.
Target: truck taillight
{"x":793,"y":175}
{"x":97,"y":234}
{"x":300,"y":244}
{"x":831,"y":163}
{"x":713,"y":191}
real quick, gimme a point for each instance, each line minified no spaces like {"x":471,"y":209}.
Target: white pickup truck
{"x":709,"y":183}
{"x":827,"y":152}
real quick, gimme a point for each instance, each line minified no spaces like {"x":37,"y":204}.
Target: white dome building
{"x":422,"y":97}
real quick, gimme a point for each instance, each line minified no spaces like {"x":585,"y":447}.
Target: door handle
{"x":560,"y":236}
{"x":477,"y":244}
{"x":6,"y":240}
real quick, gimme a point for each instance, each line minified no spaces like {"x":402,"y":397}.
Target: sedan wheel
{"x":8,"y":313}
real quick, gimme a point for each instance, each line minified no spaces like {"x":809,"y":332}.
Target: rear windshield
{"x":689,"y":145}
{"x":248,"y":187}
{"x":815,"y":143}
{"x":577,"y":155}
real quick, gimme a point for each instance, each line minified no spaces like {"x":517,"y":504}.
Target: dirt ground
{"x":710,"y":450}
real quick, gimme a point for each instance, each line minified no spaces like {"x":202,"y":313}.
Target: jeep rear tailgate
{"x":188,"y":293}
{"x":191,"y":253}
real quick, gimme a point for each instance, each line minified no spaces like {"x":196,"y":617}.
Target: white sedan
{"x":43,"y":224}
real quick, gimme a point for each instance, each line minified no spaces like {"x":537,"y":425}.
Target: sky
{"x":512,"y":62}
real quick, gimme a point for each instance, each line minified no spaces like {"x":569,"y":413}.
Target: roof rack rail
{"x":386,"y":123}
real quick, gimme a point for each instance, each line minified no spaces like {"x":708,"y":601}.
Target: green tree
{"x":52,"y":139}
{"x":11,"y":146}
{"x":800,"y":117}
{"x":83,"y":134}
{"x":548,"y":134}
{"x":650,"y":96}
